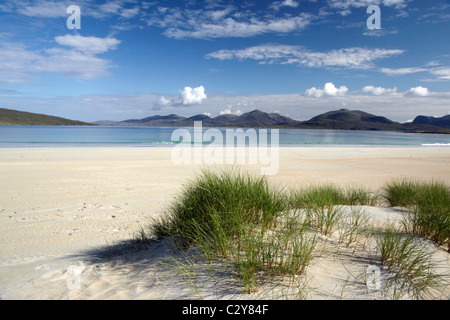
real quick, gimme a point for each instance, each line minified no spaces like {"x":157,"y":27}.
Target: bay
{"x":22,"y":136}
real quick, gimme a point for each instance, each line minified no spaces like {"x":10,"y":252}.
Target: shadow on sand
{"x":156,"y":270}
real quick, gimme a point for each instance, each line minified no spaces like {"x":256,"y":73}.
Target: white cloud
{"x":93,"y":45}
{"x":230,"y":27}
{"x":418,"y":92}
{"x":352,"y":58}
{"x":129,"y":13}
{"x":191,"y":96}
{"x":345,"y":4}
{"x":290,"y":3}
{"x":286,"y":3}
{"x":45,"y":8}
{"x":329,"y":90}
{"x":345,"y":13}
{"x":72,"y":63}
{"x":57,"y":8}
{"x":378,"y":91}
{"x":161,"y":103}
{"x":229,"y":21}
{"x":18,"y":64}
{"x":228,"y":111}
{"x":395,"y":3}
{"x":187,"y":96}
{"x":379,"y":32}
{"x":442,"y":73}
{"x":401,"y":71}
{"x":15,"y":62}
{"x":110,"y":7}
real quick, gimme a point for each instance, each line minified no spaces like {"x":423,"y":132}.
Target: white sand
{"x":63,"y":210}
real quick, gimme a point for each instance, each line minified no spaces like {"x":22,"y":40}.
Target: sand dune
{"x":68,"y":213}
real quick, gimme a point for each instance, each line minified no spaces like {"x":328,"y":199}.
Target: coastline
{"x":59,"y":203}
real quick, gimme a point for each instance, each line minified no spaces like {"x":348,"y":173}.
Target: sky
{"x":129,"y":59}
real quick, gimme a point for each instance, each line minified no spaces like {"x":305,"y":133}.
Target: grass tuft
{"x":410,"y":263}
{"x":428,"y":205}
{"x":234,"y":216}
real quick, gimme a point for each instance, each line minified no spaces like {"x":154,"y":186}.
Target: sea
{"x":86,"y":136}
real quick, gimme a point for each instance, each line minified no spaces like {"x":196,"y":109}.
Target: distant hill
{"x":342,"y":119}
{"x":443,"y":122}
{"x":169,"y":120}
{"x":13,"y":117}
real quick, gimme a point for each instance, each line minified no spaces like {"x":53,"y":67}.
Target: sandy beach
{"x":67,"y":210}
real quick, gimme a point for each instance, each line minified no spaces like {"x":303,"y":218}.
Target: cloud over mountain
{"x":191,"y":96}
{"x":329,"y":90}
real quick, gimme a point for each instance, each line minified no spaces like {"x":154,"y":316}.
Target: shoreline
{"x":59,"y":203}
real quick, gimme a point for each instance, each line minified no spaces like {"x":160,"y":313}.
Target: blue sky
{"x":134,"y":58}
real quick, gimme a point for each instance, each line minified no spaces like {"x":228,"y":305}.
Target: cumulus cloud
{"x":187,"y":96}
{"x":329,"y":90}
{"x":378,"y":91}
{"x":191,"y":96}
{"x":418,"y":92}
{"x":352,"y":58}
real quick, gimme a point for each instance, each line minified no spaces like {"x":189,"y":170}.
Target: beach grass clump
{"x":428,"y":205}
{"x":331,"y":195}
{"x":324,"y":204}
{"x":218,"y":205}
{"x":410,"y":264}
{"x":240,"y":219}
{"x":325,"y":218}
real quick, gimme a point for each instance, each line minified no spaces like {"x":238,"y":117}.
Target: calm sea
{"x":21,"y":136}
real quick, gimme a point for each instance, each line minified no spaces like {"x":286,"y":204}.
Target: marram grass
{"x":266,"y":234}
{"x":410,"y":264}
{"x":428,"y":205}
{"x":235,"y":216}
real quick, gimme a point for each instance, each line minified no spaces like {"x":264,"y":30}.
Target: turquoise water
{"x":16,"y":136}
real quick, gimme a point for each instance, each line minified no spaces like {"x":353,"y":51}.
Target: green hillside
{"x":13,"y":117}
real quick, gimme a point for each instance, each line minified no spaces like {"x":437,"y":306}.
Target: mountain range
{"x":342,"y":119}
